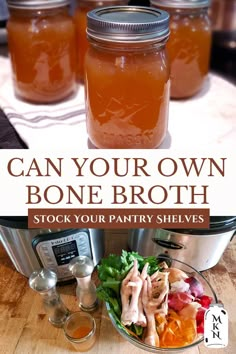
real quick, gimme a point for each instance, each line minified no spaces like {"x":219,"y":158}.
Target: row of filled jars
{"x":132,"y":59}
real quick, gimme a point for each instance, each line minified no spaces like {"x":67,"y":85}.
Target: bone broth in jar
{"x":189,"y":45}
{"x":41,"y":38}
{"x":127,"y":77}
{"x":80,"y":19}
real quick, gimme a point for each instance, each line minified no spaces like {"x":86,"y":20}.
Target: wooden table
{"x":24,"y":326}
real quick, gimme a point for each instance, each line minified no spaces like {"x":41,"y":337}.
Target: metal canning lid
{"x":128,"y":24}
{"x":36,"y":4}
{"x":182,"y":4}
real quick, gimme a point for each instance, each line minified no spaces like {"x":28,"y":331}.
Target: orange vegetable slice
{"x":177,"y":332}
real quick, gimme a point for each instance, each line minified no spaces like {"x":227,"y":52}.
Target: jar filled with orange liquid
{"x":80,"y":331}
{"x":189,"y":45}
{"x":127,"y":77}
{"x":41,"y":39}
{"x":80,"y":18}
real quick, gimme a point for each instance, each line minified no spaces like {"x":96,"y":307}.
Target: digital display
{"x":65,"y":252}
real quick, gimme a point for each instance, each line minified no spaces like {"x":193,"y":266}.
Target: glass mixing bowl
{"x":208,"y":290}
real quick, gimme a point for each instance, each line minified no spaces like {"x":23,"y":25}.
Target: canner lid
{"x":218,"y":224}
{"x":14,"y":222}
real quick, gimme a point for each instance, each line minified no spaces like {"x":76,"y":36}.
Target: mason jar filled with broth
{"x":189,"y":45}
{"x":80,"y":18}
{"x":127,"y":77}
{"x":41,"y":39}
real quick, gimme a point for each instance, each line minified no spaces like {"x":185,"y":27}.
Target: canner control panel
{"x":56,"y":250}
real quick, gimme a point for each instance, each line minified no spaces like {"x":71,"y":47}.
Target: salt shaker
{"x":44,"y":282}
{"x":82,"y":267}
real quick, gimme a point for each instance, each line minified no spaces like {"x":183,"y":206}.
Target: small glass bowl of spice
{"x":80,"y":330}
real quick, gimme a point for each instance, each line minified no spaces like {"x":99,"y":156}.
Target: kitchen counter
{"x":24,"y":326}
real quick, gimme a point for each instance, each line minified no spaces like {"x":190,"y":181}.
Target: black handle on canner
{"x":168,"y":244}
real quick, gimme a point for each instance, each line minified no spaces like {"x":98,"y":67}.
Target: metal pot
{"x":32,"y":249}
{"x":200,"y":248}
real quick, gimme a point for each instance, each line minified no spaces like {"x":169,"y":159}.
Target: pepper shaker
{"x":44,"y":282}
{"x":82,"y":267}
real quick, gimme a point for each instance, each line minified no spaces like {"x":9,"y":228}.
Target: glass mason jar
{"x":127,"y":77}
{"x":189,"y":45}
{"x":80,"y":18}
{"x":80,"y":331}
{"x":41,"y":39}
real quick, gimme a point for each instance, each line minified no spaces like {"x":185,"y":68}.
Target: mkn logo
{"x":216,"y":327}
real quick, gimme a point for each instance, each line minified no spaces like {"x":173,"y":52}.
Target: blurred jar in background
{"x":41,"y":40}
{"x":223,"y":16}
{"x":127,"y":77}
{"x":80,"y":18}
{"x":189,"y":45}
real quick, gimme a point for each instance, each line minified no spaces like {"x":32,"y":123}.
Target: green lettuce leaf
{"x":111,"y":271}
